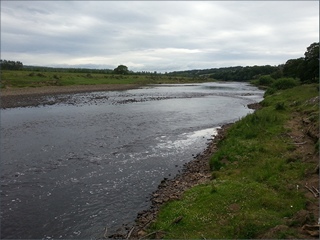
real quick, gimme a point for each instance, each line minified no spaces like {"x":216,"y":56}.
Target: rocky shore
{"x":195,"y":172}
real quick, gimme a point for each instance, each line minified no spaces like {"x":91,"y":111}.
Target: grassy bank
{"x":258,"y":176}
{"x":17,"y":79}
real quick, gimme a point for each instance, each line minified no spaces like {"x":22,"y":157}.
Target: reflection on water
{"x":70,"y":170}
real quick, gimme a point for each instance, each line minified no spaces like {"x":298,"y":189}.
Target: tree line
{"x":306,"y":69}
{"x":237,"y":73}
{"x":11,"y":65}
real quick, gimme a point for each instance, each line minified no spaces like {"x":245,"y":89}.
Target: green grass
{"x":255,"y":174}
{"x":18,"y":79}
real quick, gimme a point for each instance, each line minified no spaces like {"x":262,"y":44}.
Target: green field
{"x":255,"y":174}
{"x":18,"y":79}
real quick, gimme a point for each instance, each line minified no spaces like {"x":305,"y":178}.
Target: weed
{"x":280,"y":106}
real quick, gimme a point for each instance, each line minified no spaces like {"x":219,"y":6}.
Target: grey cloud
{"x":156,"y":35}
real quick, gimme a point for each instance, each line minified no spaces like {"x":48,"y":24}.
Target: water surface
{"x":70,"y":170}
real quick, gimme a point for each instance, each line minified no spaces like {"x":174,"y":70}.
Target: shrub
{"x":270,"y":91}
{"x":55,"y":76}
{"x":266,"y":80}
{"x":41,"y":75}
{"x":285,"y":83}
{"x":215,"y":164}
{"x":280,"y":106}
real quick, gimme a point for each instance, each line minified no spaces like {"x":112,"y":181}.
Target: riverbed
{"x":83,"y":162}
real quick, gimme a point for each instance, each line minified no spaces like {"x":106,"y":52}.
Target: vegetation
{"x":230,"y":73}
{"x":121,"y":69}
{"x":14,"y":79}
{"x":304,"y":69}
{"x":258,"y":169}
{"x":307,"y":68}
{"x":255,"y":173}
{"x":11,"y":65}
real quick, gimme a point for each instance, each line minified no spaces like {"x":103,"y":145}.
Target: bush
{"x":285,"y":83}
{"x":266,"y":80}
{"x":215,"y":164}
{"x":280,"y":106}
{"x":269,"y":91}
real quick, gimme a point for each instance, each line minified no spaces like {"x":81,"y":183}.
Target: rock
{"x":306,"y":121}
{"x":157,"y":200}
{"x":141,"y":233}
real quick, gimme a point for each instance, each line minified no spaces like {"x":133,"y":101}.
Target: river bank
{"x":264,"y":181}
{"x":195,"y":172}
{"x":35,"y":96}
{"x":103,"y":154}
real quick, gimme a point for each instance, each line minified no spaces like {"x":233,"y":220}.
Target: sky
{"x":160,"y":36}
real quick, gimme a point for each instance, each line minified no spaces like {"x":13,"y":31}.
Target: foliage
{"x":265,"y":80}
{"x":285,"y":83}
{"x":121,"y":69}
{"x":293,"y":67}
{"x":311,"y":67}
{"x":18,"y":78}
{"x":307,"y":68}
{"x":251,"y":191}
{"x":237,"y":73}
{"x":10,"y":65}
{"x":66,"y":70}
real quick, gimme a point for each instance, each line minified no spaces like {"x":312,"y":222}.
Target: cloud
{"x":157,"y":35}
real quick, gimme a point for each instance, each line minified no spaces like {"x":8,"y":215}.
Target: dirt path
{"x":305,"y":134}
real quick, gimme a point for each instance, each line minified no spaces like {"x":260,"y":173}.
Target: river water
{"x":70,"y":170}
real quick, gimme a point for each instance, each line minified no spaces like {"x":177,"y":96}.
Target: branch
{"x":315,"y":194}
{"x":130,"y":233}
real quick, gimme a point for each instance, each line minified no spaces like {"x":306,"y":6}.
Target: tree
{"x":294,"y":68}
{"x":311,"y":64}
{"x":11,"y":65}
{"x":121,"y":69}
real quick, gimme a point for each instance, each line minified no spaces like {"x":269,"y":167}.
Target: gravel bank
{"x":25,"y":97}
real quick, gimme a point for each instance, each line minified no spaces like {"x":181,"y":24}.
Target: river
{"x":70,"y":170}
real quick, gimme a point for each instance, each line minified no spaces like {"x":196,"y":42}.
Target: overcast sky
{"x":157,"y":35}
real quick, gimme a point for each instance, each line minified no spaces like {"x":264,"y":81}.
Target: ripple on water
{"x":69,"y":170}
